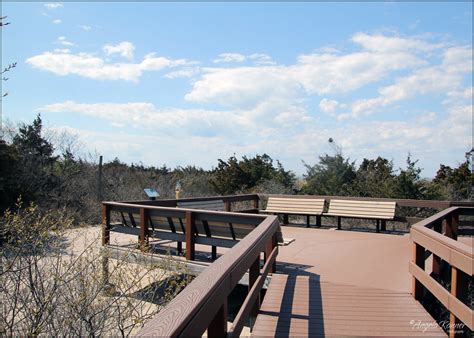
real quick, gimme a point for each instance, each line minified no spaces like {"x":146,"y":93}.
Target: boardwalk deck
{"x":305,"y":306}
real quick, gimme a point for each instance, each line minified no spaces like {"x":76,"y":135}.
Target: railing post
{"x":255,"y":203}
{"x":438,"y":227}
{"x":452,"y":225}
{"x":105,"y":224}
{"x":459,"y":289}
{"x":254,"y":272}
{"x":190,"y":235}
{"x":227,"y":206}
{"x":218,"y":327}
{"x":105,"y":241}
{"x":143,"y":235}
{"x":419,"y":259}
{"x":271,"y":243}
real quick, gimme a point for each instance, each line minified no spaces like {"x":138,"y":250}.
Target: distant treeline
{"x":32,"y":168}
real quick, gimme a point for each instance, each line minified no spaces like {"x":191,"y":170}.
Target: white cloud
{"x":124,"y":49}
{"x":443,"y":78}
{"x":230,"y":57}
{"x":85,"y":27}
{"x":53,"y":5}
{"x":185,"y":72}
{"x":261,"y":59}
{"x":93,"y":67}
{"x":62,"y":50}
{"x":57,"y":21}
{"x":328,"y":106}
{"x":148,"y":116}
{"x":382,"y":43}
{"x":62,"y":40}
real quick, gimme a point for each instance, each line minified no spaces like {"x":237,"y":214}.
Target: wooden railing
{"x":229,"y":201}
{"x":438,"y":235}
{"x":202,"y":305}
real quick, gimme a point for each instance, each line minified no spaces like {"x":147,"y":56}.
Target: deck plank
{"x":305,"y":306}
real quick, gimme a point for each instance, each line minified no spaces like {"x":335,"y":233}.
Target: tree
{"x":333,"y":175}
{"x":374,"y":178}
{"x":36,"y":161}
{"x":454,"y":183}
{"x":408,"y":183}
{"x":233,"y":176}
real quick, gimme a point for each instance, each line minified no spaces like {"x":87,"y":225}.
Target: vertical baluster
{"x":438,"y":227}
{"x":459,"y":289}
{"x":105,"y":241}
{"x":254,"y":272}
{"x":419,"y":259}
{"x":218,"y":327}
{"x":143,"y":235}
{"x":452,"y":222}
{"x":190,"y":250}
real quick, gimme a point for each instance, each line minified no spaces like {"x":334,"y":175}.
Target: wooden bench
{"x":379,"y":211}
{"x":295,"y":206}
{"x":208,"y":229}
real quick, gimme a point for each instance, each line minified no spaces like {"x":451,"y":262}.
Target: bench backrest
{"x":295,"y":205}
{"x":362,"y":209}
{"x":215,"y":205}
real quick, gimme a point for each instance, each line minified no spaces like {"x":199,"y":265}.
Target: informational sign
{"x":151,"y":193}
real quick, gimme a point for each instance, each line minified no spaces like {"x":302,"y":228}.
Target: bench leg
{"x":339,"y":223}
{"x":378,"y":225}
{"x":180,"y":247}
{"x":214,"y":252}
{"x":307,"y":221}
{"x":285,"y":219}
{"x":318,"y":221}
{"x":384,"y":225}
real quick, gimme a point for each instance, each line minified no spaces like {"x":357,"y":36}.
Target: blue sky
{"x":189,"y":83}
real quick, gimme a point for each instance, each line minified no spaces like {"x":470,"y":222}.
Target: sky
{"x":189,"y":83}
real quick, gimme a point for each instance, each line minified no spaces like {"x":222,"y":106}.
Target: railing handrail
{"x":172,"y":210}
{"x":194,"y":308}
{"x":426,"y":236}
{"x":225,"y":198}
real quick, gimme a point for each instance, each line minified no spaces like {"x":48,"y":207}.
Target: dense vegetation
{"x":48,"y":171}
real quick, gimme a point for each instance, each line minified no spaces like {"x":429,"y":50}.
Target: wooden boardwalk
{"x":298,"y":305}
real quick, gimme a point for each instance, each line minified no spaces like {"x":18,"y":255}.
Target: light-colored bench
{"x":379,"y":211}
{"x":295,"y":206}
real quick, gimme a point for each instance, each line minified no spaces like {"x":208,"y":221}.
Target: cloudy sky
{"x":181,"y":84}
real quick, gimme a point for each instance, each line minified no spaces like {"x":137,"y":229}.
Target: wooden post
{"x":190,"y":251}
{"x":419,"y":259}
{"x":105,"y":224}
{"x":99,"y":180}
{"x":143,"y":235}
{"x":452,"y":225}
{"x":459,"y":289}
{"x":218,"y":327}
{"x":271,"y":243}
{"x":255,"y":203}
{"x":105,"y":241}
{"x":227,"y":206}
{"x":254,"y":272}
{"x":435,"y":269}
